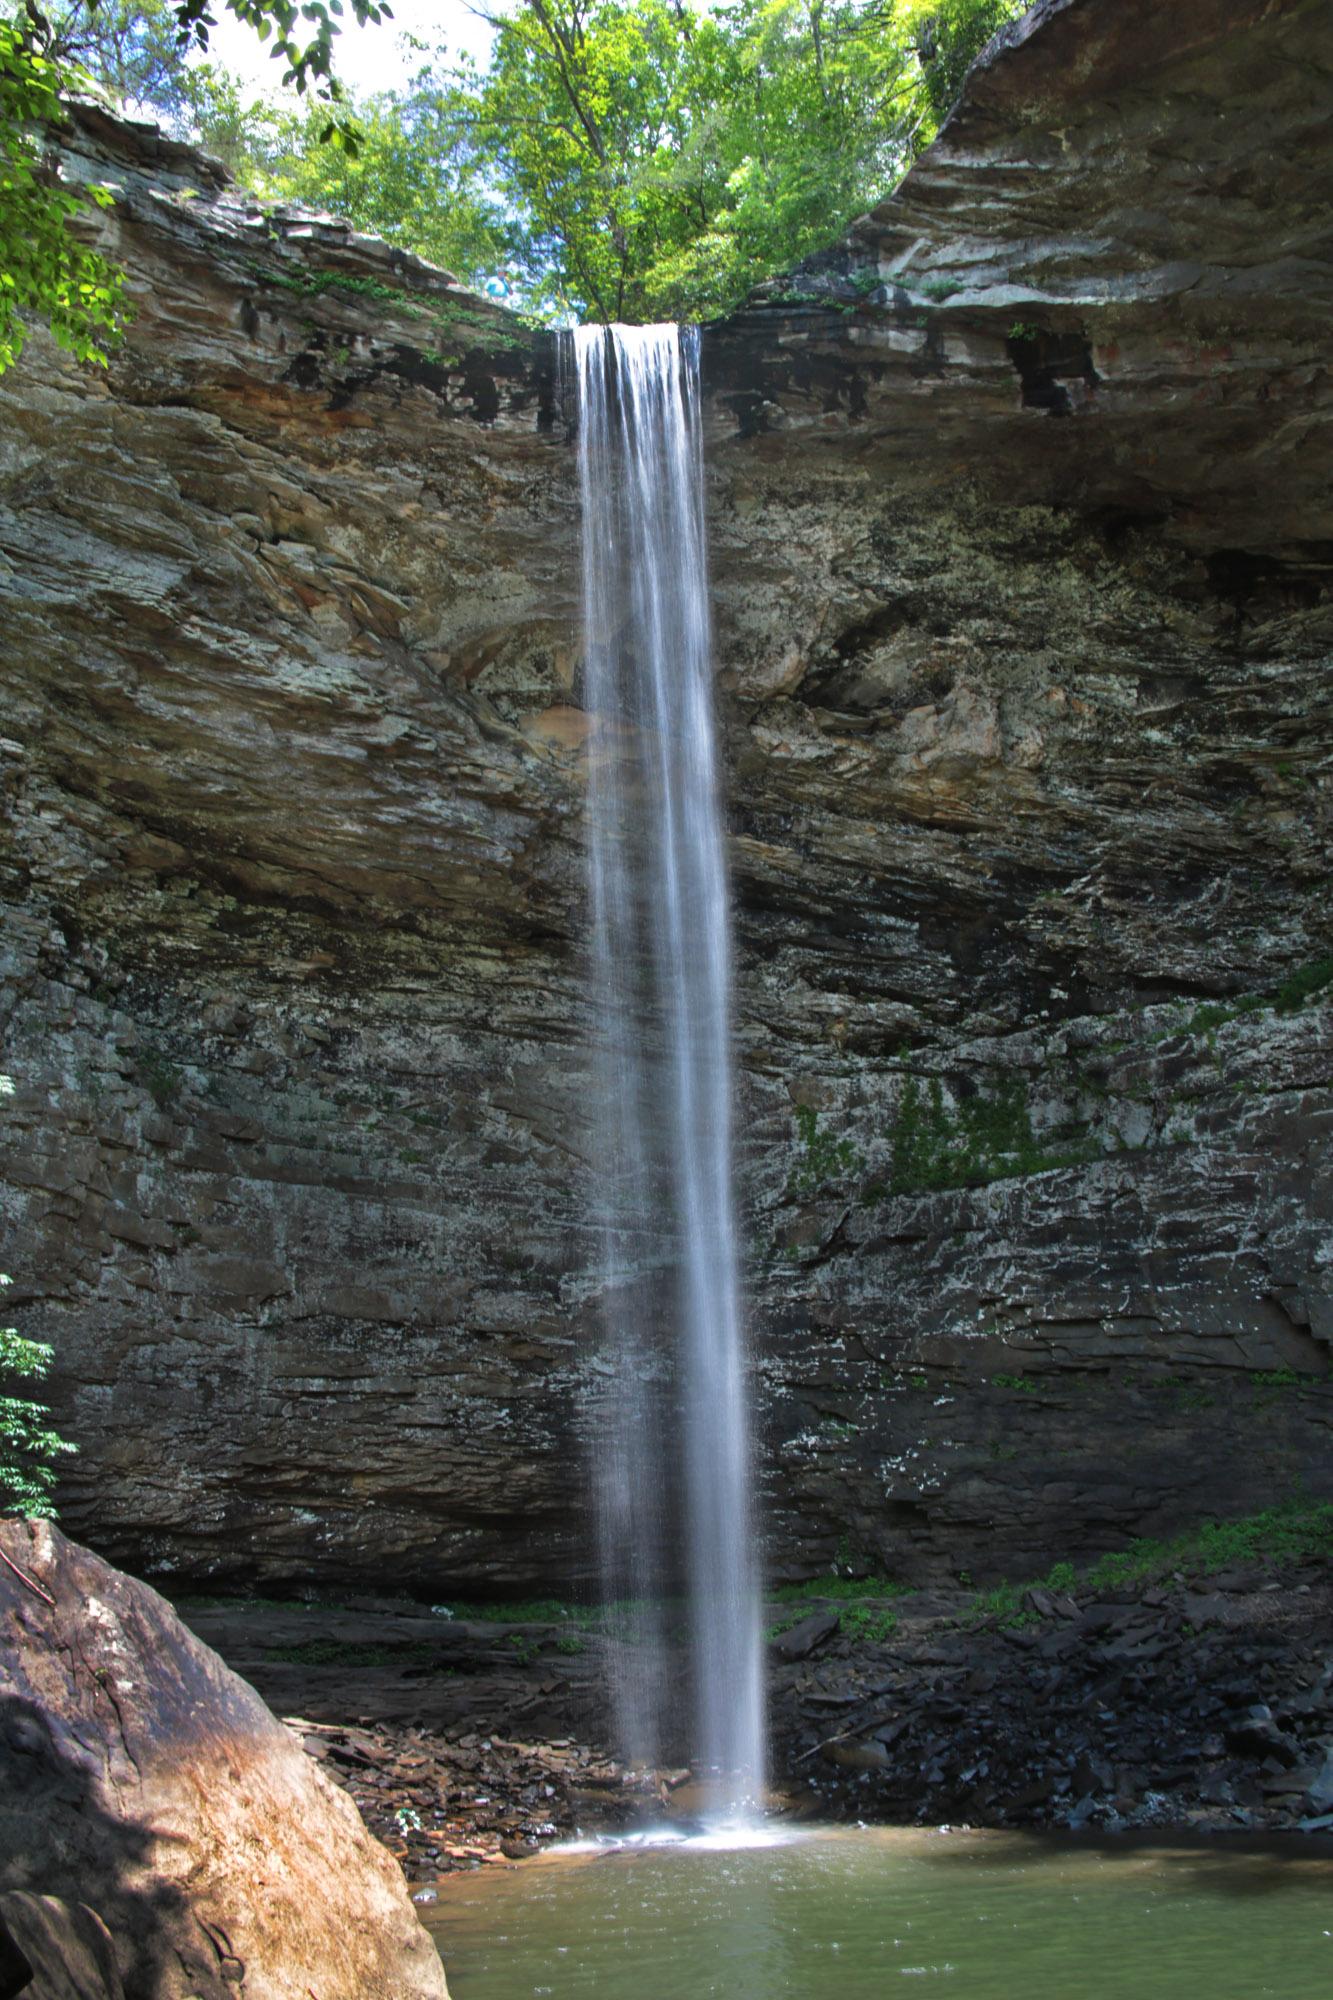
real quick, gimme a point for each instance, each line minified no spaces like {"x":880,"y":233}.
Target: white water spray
{"x":673,"y":1462}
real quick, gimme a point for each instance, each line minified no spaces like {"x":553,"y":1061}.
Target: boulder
{"x":1258,"y":1734}
{"x":54,"y":1950}
{"x":15,"y":1965}
{"x":1319,"y":1795}
{"x":140,"y":1775}
{"x":799,"y":1641}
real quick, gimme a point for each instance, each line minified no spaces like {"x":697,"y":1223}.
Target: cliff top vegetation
{"x":611,"y":159}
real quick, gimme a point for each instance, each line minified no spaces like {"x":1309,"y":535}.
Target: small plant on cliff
{"x":1296,"y":1531}
{"x":160,"y":1075}
{"x":1304,"y":985}
{"x":869,"y":1624}
{"x":987,"y":1136}
{"x":821,"y":1158}
{"x":29,"y":1447}
{"x":839,"y":1589}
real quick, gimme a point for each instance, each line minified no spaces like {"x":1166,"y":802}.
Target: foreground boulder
{"x":53,"y":1950}
{"x":143,"y":1778}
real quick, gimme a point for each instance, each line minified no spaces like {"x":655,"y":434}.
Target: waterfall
{"x":672,"y":1457}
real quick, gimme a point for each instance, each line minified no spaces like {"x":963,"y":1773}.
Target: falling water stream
{"x":673,"y":1451}
{"x":750,"y":1912}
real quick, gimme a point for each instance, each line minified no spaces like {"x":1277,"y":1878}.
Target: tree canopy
{"x":46,"y":272}
{"x":641,"y":159}
{"x":613,"y":159}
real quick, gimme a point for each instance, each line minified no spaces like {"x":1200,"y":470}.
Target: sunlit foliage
{"x":614,"y":159}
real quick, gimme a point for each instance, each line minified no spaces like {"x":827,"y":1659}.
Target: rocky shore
{"x":1192,"y":1705}
{"x":442,"y":1803}
{"x":1151,"y":1692}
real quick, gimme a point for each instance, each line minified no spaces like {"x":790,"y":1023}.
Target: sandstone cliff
{"x":1021,"y":533}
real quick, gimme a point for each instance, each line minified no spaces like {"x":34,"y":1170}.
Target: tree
{"x":45,"y":271}
{"x":816,"y":115}
{"x":134,"y":52}
{"x":29,"y":1448}
{"x":664,"y":160}
{"x":583,"y":116}
{"x":951,"y":37}
{"x":113,"y":37}
{"x":413,"y":178}
{"x":660,"y":161}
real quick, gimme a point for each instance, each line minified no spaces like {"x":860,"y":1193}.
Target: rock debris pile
{"x":442,"y":1804}
{"x":1207,"y":1705}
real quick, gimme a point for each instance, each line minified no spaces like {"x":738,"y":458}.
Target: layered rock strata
{"x":1021,"y":539}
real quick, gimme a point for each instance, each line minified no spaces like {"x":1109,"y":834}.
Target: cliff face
{"x":1021,"y":532}
{"x":1024,"y":568}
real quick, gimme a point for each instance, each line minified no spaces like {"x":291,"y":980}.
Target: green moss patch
{"x":1293,"y":1533}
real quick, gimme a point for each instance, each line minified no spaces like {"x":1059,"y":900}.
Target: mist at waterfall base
{"x":670,"y":1433}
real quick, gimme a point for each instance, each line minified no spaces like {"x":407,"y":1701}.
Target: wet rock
{"x":1258,"y":1733}
{"x":1319,"y":1792}
{"x":870,"y":1755}
{"x":1211,"y":1608}
{"x":1035,"y":1792}
{"x":1093,"y":1774}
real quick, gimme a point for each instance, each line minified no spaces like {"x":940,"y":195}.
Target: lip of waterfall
{"x":672,"y":1451}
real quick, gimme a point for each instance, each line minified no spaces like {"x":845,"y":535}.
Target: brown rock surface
{"x":66,"y":1950}
{"x":1021,"y":530}
{"x":139,"y":1775}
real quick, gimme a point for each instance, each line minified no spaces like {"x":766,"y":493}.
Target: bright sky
{"x":365,"y":59}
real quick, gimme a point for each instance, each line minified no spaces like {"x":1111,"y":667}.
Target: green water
{"x":849,"y":1915}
